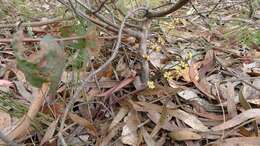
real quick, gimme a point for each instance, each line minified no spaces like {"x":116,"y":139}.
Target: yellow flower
{"x":146,"y":57}
{"x":184,"y":64}
{"x":161,"y":40}
{"x":168,"y":76}
{"x":155,"y":47}
{"x":190,"y":55}
{"x":150,"y":85}
{"x":178,"y":71}
{"x":177,"y":20}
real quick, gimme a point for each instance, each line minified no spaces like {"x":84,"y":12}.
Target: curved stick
{"x":24,"y":124}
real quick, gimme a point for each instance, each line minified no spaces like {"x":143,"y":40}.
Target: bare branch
{"x":78,"y":90}
{"x":34,"y":24}
{"x":153,"y":14}
{"x":100,"y":7}
{"x":102,"y":22}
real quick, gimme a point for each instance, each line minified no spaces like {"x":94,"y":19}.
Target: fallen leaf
{"x":156,"y":59}
{"x":147,"y":138}
{"x":5,"y":120}
{"x":167,"y":125}
{"x":188,"y":94}
{"x":84,"y":122}
{"x":5,"y":83}
{"x":55,"y":109}
{"x":249,"y":92}
{"x":23,"y":91}
{"x":240,"y":141}
{"x":197,"y":75}
{"x":129,"y":132}
{"x":184,"y":134}
{"x":120,"y":115}
{"x":185,"y":74}
{"x":118,"y":86}
{"x":93,"y":44}
{"x":49,"y":132}
{"x":162,"y":120}
{"x":111,"y":133}
{"x":122,"y":68}
{"x":243,"y":117}
{"x":187,"y":118}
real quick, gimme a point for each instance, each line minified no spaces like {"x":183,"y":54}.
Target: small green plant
{"x":46,"y":65}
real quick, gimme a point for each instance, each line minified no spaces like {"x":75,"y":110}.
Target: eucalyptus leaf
{"x":55,"y":60}
{"x":46,"y":65}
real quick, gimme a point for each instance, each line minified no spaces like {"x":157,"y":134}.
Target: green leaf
{"x":256,"y":37}
{"x":55,"y":60}
{"x":47,"y":64}
{"x":31,"y":72}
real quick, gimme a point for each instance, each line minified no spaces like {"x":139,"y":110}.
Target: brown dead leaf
{"x":243,"y":117}
{"x":54,"y":109}
{"x":240,"y":141}
{"x":190,"y":120}
{"x":93,"y":44}
{"x":122,"y":68}
{"x":129,"y":132}
{"x":23,"y":91}
{"x":185,"y":74}
{"x":147,"y":138}
{"x":187,"y":118}
{"x":91,"y":129}
{"x":162,"y":120}
{"x":160,"y":90}
{"x":198,"y":71}
{"x":249,"y":92}
{"x":5,"y":120}
{"x":107,"y":72}
{"x":167,"y":125}
{"x":49,"y":132}
{"x":156,"y":59}
{"x":184,"y":134}
{"x":120,"y":115}
{"x":118,"y":86}
{"x":114,"y":131}
{"x":5,"y":83}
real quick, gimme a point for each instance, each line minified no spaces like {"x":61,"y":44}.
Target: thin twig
{"x":222,"y":108}
{"x":63,"y":143}
{"x":178,"y":5}
{"x":143,"y":52}
{"x":61,"y":39}
{"x":213,"y":9}
{"x":201,"y":16}
{"x":100,"y":7}
{"x":34,"y":24}
{"x":102,"y":22}
{"x":77,"y":92}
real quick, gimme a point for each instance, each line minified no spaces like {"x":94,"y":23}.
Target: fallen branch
{"x":24,"y":124}
{"x":143,"y":52}
{"x":61,"y":39}
{"x":77,"y":92}
{"x":34,"y":24}
{"x":153,"y":14}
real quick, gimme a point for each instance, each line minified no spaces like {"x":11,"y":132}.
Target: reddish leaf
{"x":84,"y":122}
{"x":118,"y":86}
{"x":5,"y":83}
{"x":197,"y":75}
